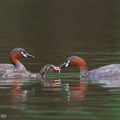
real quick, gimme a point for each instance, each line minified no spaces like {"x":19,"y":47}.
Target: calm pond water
{"x":52,"y":31}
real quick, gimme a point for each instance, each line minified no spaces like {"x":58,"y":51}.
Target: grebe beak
{"x":63,"y":65}
{"x":30,"y":56}
{"x":27,"y":55}
{"x":66,"y":64}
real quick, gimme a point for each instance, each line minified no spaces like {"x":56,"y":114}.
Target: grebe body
{"x":104,"y":71}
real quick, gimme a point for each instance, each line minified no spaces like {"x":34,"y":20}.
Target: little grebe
{"x":15,"y":55}
{"x":105,"y":71}
{"x":12,"y":73}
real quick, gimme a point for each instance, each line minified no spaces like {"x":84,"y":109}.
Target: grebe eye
{"x":24,"y":54}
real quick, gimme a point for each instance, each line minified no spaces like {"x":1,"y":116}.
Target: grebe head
{"x":20,"y":53}
{"x":76,"y":61}
{"x":17,"y":54}
{"x":48,"y":68}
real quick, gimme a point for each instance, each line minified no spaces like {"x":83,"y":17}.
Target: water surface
{"x":53,"y":31}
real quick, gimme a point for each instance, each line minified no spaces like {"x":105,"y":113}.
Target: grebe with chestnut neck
{"x":104,"y":71}
{"x":15,"y":55}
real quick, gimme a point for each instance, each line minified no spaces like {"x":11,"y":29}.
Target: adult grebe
{"x":15,"y":55}
{"x":105,"y":71}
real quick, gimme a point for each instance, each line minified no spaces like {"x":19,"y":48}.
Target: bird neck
{"x":15,"y":61}
{"x":83,"y":72}
{"x":83,"y":67}
{"x":19,"y":66}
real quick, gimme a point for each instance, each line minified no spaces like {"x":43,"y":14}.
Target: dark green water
{"x":52,"y":31}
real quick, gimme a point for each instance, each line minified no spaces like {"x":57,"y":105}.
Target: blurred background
{"x":54,"y":30}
